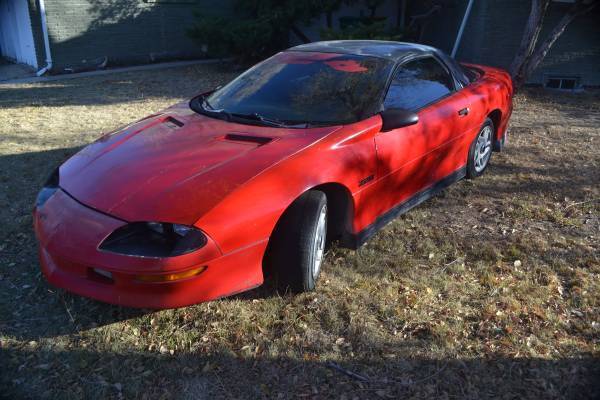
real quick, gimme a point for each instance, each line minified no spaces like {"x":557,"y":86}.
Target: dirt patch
{"x":489,"y":290}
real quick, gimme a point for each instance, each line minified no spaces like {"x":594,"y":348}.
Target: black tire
{"x":292,"y":248}
{"x":473,"y":167}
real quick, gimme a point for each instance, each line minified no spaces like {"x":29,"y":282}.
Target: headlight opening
{"x":154,"y":239}
{"x":50,"y":187}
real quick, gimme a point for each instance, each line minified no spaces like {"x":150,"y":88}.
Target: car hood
{"x":177,"y":165}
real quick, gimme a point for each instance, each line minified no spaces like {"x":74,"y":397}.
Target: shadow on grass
{"x":574,"y":106}
{"x":134,"y":374}
{"x":118,"y":88}
{"x":29,"y":309}
{"x":555,"y":181}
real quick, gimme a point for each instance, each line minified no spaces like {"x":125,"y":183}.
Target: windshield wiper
{"x":206,"y":108}
{"x":260,"y":118}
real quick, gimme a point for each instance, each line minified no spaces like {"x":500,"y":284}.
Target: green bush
{"x":259,"y":28}
{"x":247,"y":40}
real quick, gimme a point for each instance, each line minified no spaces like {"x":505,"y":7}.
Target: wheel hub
{"x":483,"y":148}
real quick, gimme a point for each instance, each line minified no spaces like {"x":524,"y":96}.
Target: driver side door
{"x":413,"y":158}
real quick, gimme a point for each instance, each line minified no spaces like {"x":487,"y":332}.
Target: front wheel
{"x":480,"y":151}
{"x":297,"y":246}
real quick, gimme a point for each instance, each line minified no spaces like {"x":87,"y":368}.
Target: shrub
{"x":259,"y":28}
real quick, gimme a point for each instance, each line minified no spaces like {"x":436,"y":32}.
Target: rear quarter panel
{"x":493,"y":90}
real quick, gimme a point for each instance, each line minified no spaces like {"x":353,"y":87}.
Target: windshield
{"x":308,"y":88}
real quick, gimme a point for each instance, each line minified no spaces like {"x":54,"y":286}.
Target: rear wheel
{"x":480,"y":151}
{"x":297,"y":246}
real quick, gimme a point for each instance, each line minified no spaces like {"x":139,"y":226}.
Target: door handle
{"x":463,"y":112}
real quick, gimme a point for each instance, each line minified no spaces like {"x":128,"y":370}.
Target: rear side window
{"x":418,"y":83}
{"x":472,"y":74}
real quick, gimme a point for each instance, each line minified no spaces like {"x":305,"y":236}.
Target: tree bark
{"x":540,"y":52}
{"x":530,"y":36}
{"x":528,"y":57}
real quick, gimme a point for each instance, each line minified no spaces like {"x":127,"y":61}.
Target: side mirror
{"x":395,"y":118}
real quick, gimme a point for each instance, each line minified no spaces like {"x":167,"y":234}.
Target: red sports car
{"x":325,"y":141}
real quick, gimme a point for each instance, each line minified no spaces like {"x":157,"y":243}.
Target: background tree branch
{"x":529,"y":55}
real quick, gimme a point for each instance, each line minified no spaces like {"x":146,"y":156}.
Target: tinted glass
{"x":471,"y":74}
{"x":459,"y":72}
{"x":418,"y":83}
{"x":320,"y":88}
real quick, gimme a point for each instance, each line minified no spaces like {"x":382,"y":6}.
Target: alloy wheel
{"x":483,"y":148}
{"x":319,"y":242}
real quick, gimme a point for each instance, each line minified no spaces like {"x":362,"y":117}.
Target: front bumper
{"x":69,"y":234}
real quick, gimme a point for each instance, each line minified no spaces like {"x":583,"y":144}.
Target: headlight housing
{"x":154,"y":239}
{"x":50,"y":187}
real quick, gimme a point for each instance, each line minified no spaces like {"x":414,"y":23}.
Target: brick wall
{"x":125,"y":31}
{"x":576,"y":52}
{"x":494,"y":31}
{"x":142,"y":31}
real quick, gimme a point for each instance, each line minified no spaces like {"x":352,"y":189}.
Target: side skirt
{"x":358,"y":239}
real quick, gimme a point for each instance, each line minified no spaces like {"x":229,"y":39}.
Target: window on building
{"x":562,"y":82}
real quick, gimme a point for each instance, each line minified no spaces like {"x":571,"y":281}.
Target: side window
{"x":418,"y":83}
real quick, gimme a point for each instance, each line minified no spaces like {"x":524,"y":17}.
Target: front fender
{"x":249,"y":214}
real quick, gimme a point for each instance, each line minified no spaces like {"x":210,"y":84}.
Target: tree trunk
{"x":530,"y":36}
{"x":558,"y":30}
{"x":528,"y":57}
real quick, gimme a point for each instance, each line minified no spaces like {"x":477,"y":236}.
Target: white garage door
{"x":16,"y":39}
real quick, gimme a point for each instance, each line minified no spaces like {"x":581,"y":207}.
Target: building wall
{"x":441,"y":28}
{"x":16,"y":39}
{"x":142,"y":31}
{"x":82,"y":32}
{"x":494,"y":32}
{"x":576,"y":52}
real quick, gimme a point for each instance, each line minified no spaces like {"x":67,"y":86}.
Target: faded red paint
{"x":235,"y":192}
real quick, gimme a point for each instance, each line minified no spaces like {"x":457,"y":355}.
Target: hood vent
{"x":236,"y":137}
{"x":172,"y":122}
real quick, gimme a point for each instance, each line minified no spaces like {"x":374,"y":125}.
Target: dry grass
{"x":489,"y":290}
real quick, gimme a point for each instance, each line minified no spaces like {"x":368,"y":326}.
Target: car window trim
{"x":419,"y":57}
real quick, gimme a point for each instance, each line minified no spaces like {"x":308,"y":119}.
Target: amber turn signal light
{"x":170,"y":277}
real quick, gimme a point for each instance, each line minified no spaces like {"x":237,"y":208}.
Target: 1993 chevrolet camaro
{"x":325,"y":141}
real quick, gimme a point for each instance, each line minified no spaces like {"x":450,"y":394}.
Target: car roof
{"x":375,"y":48}
{"x":394,"y":51}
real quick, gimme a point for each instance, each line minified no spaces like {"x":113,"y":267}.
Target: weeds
{"x":488,"y":290}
